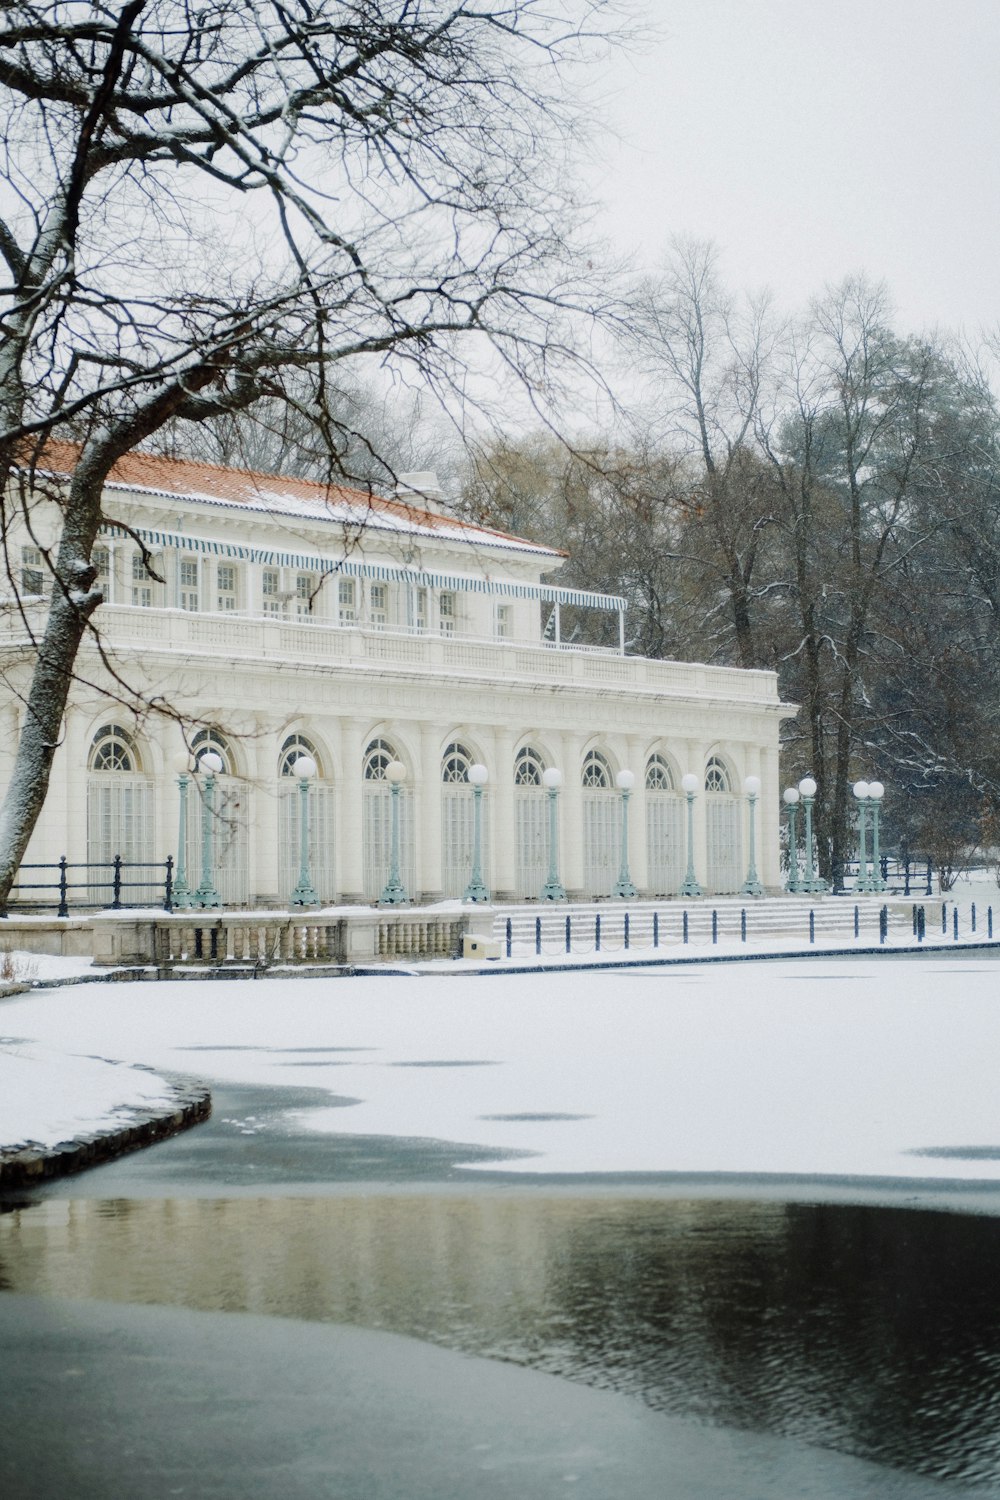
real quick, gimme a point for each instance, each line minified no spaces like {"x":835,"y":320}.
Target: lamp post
{"x":690,"y":785}
{"x":181,"y":898}
{"x":394,"y":892}
{"x":876,"y":791}
{"x":752,"y":886}
{"x":863,"y":792}
{"x":305,"y":769}
{"x":791,"y":796}
{"x":812,"y":881}
{"x":624,"y":889}
{"x":210,"y":764}
{"x":552,"y":890}
{"x":476,"y":888}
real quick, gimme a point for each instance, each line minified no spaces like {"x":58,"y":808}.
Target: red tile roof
{"x":191,"y":479}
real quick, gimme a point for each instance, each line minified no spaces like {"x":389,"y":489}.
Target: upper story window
{"x":101,"y":559}
{"x":227,"y":586}
{"x":187,"y":577}
{"x":32,"y":574}
{"x":446,"y":613}
{"x":347,"y":607}
{"x":378,"y":604}
{"x":528,"y":767}
{"x":502,"y":620}
{"x":716,"y":776}
{"x":305,"y":589}
{"x":270,"y":591}
{"x":420,"y":609}
{"x":142,"y":582}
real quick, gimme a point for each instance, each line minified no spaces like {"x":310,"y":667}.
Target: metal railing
{"x":114,"y":878}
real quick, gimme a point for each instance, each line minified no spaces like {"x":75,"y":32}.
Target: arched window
{"x":596,"y":771}
{"x":295,"y":746}
{"x":716,"y":776}
{"x":455,"y":763}
{"x":211,"y":739}
{"x":378,"y":757}
{"x":528,"y":767}
{"x":322,"y":844}
{"x":664,"y":829}
{"x":113,"y":749}
{"x":659,"y":777}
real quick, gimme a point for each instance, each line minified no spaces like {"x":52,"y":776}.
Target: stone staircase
{"x":782,"y":920}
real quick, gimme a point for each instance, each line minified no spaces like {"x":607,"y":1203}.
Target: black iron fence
{"x":113,"y":885}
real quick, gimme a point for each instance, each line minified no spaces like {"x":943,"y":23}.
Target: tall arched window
{"x":377,"y":821}
{"x":233,"y":816}
{"x":723,"y":828}
{"x":294,"y":746}
{"x":717,"y":776}
{"x":664,"y":828}
{"x":531,"y":824}
{"x":212,"y":739}
{"x":322,"y":860}
{"x":601,"y":826}
{"x":455,"y":763}
{"x":458,"y":821}
{"x":528,"y":767}
{"x":113,"y":749}
{"x":120,"y":819}
{"x":596,"y":771}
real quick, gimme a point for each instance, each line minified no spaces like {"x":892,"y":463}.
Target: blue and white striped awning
{"x":382,"y":572}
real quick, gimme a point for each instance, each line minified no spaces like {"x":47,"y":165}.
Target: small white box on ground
{"x":478,"y":947}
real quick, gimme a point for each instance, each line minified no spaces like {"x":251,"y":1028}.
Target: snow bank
{"x":836,"y":1067}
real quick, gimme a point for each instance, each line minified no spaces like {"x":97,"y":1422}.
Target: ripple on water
{"x":871,"y":1331}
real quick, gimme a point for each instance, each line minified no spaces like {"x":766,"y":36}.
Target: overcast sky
{"x":813,"y":138}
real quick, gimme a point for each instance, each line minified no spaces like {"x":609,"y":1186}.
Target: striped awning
{"x":382,"y":572}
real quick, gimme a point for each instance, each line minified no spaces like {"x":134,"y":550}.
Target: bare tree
{"x":196,"y":201}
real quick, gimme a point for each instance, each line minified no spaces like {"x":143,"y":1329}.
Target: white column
{"x":427,"y":780}
{"x":350,"y":805}
{"x":504,"y":822}
{"x":638,"y":855}
{"x":694,"y":760}
{"x":331,"y":731}
{"x":571,"y":816}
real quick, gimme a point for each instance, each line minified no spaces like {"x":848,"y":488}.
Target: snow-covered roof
{"x":282,"y":495}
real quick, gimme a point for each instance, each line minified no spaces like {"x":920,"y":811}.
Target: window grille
{"x":665,"y":849}
{"x":659,"y":777}
{"x":112,"y":749}
{"x":188,"y":577}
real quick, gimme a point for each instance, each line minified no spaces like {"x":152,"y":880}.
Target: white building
{"x":288,"y":618}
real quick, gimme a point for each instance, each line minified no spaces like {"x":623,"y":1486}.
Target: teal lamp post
{"x":476,"y":888}
{"x":624,"y":889}
{"x":180,"y":897}
{"x":690,"y":886}
{"x":209,"y":764}
{"x":876,"y":791}
{"x":791,"y":798}
{"x":863,"y":793}
{"x":304,"y":894}
{"x":752,"y":886}
{"x":394,"y":892}
{"x":812,"y":882}
{"x":552,"y":890}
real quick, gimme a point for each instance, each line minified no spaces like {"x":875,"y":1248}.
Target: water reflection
{"x":872,"y":1331}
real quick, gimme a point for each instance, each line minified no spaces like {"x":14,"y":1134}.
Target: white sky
{"x":814,"y":138}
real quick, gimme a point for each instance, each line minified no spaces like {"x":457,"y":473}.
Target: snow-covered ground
{"x":844,"y":1067}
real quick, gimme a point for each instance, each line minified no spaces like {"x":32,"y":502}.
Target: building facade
{"x":278,"y":618}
